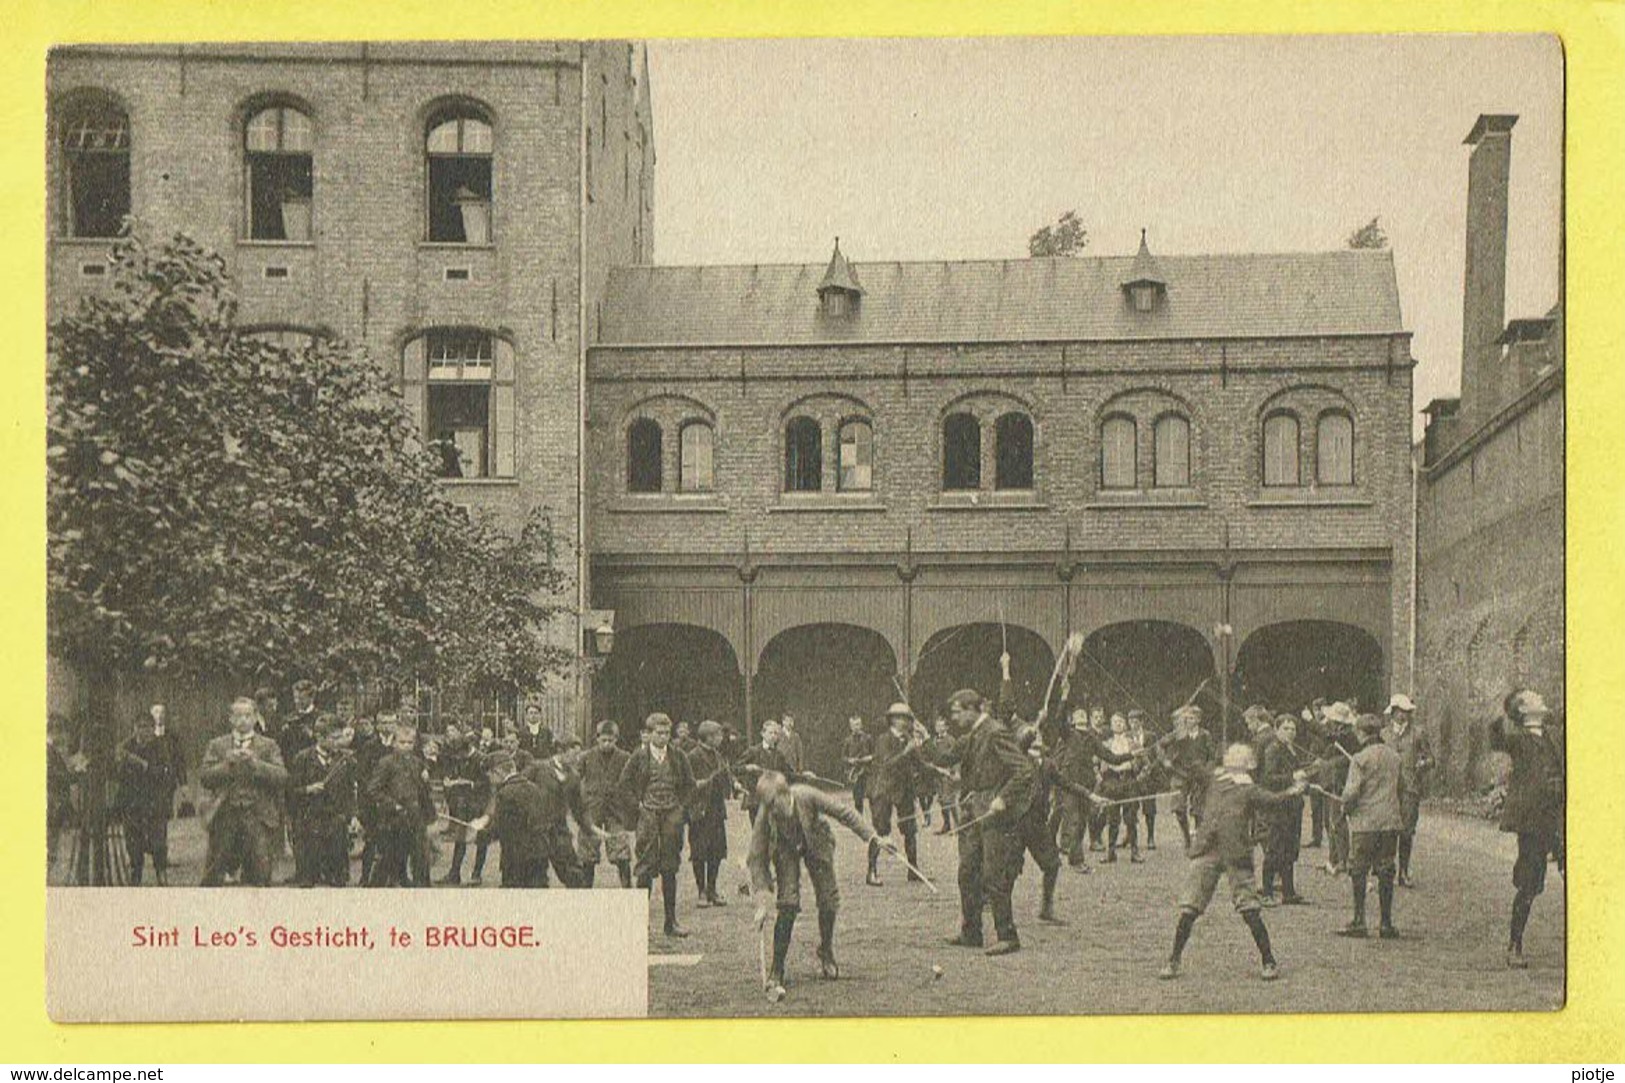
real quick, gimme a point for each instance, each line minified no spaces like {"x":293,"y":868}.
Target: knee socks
{"x":1261,"y":935}
{"x":782,"y":928}
{"x":1358,"y":880}
{"x":668,"y":896}
{"x":1521,"y":905}
{"x":826,"y":932}
{"x":1385,"y":898}
{"x":1182,"y":933}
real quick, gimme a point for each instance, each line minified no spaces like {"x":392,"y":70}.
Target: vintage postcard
{"x":838,"y":527}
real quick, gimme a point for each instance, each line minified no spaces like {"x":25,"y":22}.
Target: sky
{"x":960,"y":149}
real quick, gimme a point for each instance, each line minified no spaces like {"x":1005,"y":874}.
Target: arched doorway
{"x":686,"y":671}
{"x":823,"y":674}
{"x":967,"y":656}
{"x":1155,"y":665}
{"x":1286,"y":666}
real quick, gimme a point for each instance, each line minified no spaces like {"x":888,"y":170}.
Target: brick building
{"x":815,"y":486}
{"x":452,"y":208}
{"x":1490,"y":500}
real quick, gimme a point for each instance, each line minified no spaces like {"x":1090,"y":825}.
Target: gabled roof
{"x":1144,"y":270}
{"x":1345,"y":292}
{"x":1526,"y":330}
{"x":839,"y":274}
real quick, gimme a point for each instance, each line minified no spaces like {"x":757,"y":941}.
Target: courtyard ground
{"x":1105,"y":961}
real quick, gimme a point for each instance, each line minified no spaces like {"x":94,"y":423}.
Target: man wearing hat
{"x":1371,"y":805}
{"x":792,"y":831}
{"x":601,"y":793}
{"x":1416,"y":759}
{"x":895,"y":769}
{"x":996,"y":778}
{"x":1533,"y":809}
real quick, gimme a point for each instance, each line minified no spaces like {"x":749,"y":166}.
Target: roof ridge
{"x":1359,"y":253}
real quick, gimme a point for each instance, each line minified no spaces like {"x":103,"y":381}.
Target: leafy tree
{"x":1067,"y":237}
{"x":1369,"y":235}
{"x":221,"y":505}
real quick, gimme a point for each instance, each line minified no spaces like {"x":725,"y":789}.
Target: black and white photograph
{"x":1019,"y":526}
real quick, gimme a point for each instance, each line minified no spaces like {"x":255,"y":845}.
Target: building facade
{"x":452,"y":208}
{"x":818,"y":488}
{"x":1490,"y":496}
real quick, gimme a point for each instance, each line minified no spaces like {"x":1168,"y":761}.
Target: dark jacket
{"x":150,"y":769}
{"x":635,"y":776}
{"x":811,"y":807}
{"x":399,"y":790}
{"x":464,"y":781}
{"x":765,"y":759}
{"x":335,"y":803}
{"x":856,"y":747}
{"x":893,"y":775}
{"x":601,"y":787}
{"x":1228,"y":808}
{"x":713,"y":784}
{"x":560,"y":788}
{"x":990,"y":766}
{"x":1535,"y":789}
{"x":518,"y":819}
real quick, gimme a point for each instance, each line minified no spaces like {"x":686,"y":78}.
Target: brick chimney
{"x":1483,"y":311}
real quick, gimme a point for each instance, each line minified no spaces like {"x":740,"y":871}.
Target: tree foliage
{"x":1066,"y":237}
{"x":1369,"y":235}
{"x":221,"y":505}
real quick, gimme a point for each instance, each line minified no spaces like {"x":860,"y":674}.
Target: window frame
{"x":281,"y":106}
{"x":1189,"y":464}
{"x":1111,"y":421}
{"x":810,"y":425}
{"x":459,"y":112}
{"x":498,"y":375}
{"x":1347,"y":418}
{"x":852,"y":424}
{"x":1264,"y":449}
{"x":974,"y":464}
{"x":636,"y":469}
{"x":1031,"y":430}
{"x":82,"y":107}
{"x":710,"y":485}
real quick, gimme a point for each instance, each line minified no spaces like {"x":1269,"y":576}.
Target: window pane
{"x":857,"y":456}
{"x":297,"y":134}
{"x":460,"y":355}
{"x":803,"y":456}
{"x":1117,"y":453}
{"x":443,"y":137}
{"x":476,"y":137}
{"x":99,"y":193}
{"x":695,"y":459}
{"x":643,"y":457}
{"x":1014,"y":452}
{"x":459,"y":199}
{"x":1173,"y":452}
{"x":262,"y":130}
{"x":279,"y":194}
{"x":961,"y":452}
{"x":1281,"y":450}
{"x":459,"y":429}
{"x":1335,"y":452}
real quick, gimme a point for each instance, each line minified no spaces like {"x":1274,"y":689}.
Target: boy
{"x":659,"y":779}
{"x":1223,"y":845}
{"x":600,"y":770}
{"x":322,"y":783}
{"x":1533,"y":809}
{"x":891,"y":788}
{"x":404,"y":807}
{"x":1372,"y":797}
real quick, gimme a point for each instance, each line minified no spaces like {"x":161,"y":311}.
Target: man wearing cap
{"x":601,"y":793}
{"x":1533,"y":809}
{"x":1416,"y":759}
{"x":708,"y":812}
{"x":659,"y":780}
{"x":891,"y":788}
{"x":858,"y":752}
{"x":1371,"y":805}
{"x":997,"y":781}
{"x":792,"y":831}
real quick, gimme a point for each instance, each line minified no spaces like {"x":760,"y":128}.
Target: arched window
{"x":1334,"y":449}
{"x":1172,"y":448}
{"x":458,"y":147}
{"x":277,"y":173}
{"x":961,"y":452}
{"x":1013,"y":452}
{"x":803,"y":456}
{"x":1281,"y":450}
{"x":459,"y":387}
{"x":1118,"y":468}
{"x":695,"y":471}
{"x":643,"y":466}
{"x":857,"y":457}
{"x":96,"y":164}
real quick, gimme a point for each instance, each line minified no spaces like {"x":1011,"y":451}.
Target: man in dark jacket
{"x":516,"y":824}
{"x":244,"y":776}
{"x":1223,"y":846}
{"x":560,"y":788}
{"x":892,"y":780}
{"x":996,"y":779}
{"x":369,"y":747}
{"x":708,"y":812}
{"x":322,"y":804}
{"x":606,"y":806}
{"x":150,"y":769}
{"x":404,"y":806}
{"x":760,"y":758}
{"x":858,"y":752}
{"x":1416,"y":759}
{"x":1035,"y":826}
{"x":791,"y":832}
{"x":466,"y":782}
{"x":658,"y":780}
{"x":1283,"y":759}
{"x":1188,"y":756}
{"x":1533,"y":809}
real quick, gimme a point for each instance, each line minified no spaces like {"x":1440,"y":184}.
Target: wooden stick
{"x":912,"y":868}
{"x":1135,"y":800}
{"x":971,"y":823}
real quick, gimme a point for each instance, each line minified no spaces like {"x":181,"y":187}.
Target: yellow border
{"x":1591,"y":1028}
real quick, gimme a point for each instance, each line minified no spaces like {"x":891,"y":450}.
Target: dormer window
{"x":840,"y":292}
{"x":1145,"y":287}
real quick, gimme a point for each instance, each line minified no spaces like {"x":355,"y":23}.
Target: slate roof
{"x":1348,"y":292}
